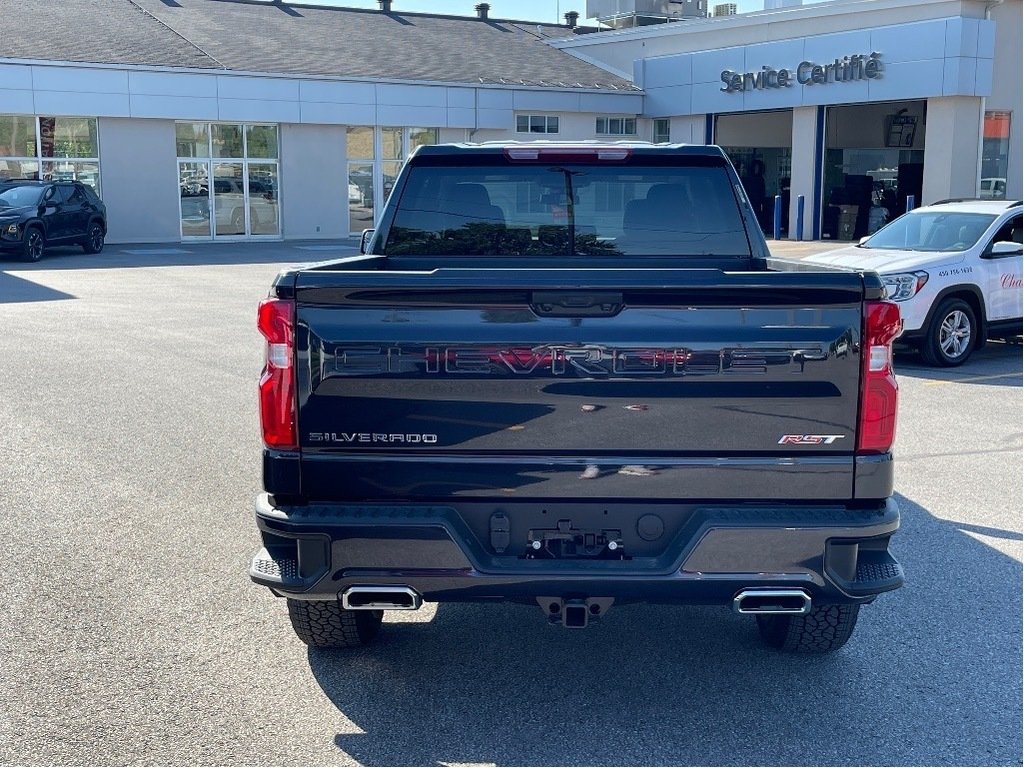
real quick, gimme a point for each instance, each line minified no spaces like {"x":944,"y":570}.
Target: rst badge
{"x":809,"y":439}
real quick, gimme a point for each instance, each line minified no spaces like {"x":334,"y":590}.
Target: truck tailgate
{"x":534,"y":384}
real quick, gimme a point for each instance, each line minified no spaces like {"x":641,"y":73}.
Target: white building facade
{"x":851,"y":106}
{"x":238,"y":119}
{"x":174,"y":154}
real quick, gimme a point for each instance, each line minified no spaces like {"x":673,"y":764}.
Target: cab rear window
{"x":568,"y":208}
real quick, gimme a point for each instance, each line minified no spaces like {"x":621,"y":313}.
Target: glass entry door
{"x":229,"y":200}
{"x":194,"y":187}
{"x":225,"y":200}
{"x":228,"y":176}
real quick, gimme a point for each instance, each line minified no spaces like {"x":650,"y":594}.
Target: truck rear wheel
{"x":325,"y":624}
{"x":826,"y":628}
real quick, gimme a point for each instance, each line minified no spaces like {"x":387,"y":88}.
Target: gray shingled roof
{"x":295,"y":40}
{"x":100,"y":31}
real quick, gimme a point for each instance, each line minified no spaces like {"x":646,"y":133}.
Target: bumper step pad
{"x":876,"y":572}
{"x":284,"y":571}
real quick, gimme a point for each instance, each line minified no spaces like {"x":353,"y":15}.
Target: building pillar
{"x":139,"y":180}
{"x":951,"y":144}
{"x":314,"y":180}
{"x":803,"y":179}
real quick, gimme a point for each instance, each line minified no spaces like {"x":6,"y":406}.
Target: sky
{"x":527,"y":10}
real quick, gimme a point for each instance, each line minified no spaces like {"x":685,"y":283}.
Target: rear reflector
{"x":276,"y":321}
{"x":880,"y":393}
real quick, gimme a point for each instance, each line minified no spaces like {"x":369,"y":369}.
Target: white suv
{"x":955,"y":269}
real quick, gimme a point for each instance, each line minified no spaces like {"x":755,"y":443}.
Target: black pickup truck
{"x":572,"y":376}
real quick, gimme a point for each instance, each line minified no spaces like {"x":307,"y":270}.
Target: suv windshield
{"x":17,"y":197}
{"x":559,"y":209}
{"x":932,"y":231}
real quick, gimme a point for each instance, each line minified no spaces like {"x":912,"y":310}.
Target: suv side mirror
{"x":364,"y":240}
{"x":1005,"y":248}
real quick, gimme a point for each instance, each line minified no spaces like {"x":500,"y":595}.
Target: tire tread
{"x":327,"y":625}
{"x":826,"y":628}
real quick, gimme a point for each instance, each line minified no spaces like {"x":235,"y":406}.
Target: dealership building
{"x":255,"y":119}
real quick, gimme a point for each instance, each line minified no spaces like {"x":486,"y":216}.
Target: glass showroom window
{"x":375,"y":156}
{"x":360,"y":178}
{"x":391,"y":158}
{"x":229,"y":180}
{"x":616,"y":126}
{"x":50,"y":148}
{"x":995,"y":155}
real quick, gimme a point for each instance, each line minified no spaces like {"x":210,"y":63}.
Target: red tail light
{"x":276,"y":321}
{"x":880,"y":393}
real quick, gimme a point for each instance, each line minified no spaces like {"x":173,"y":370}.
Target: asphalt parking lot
{"x":130,"y":633}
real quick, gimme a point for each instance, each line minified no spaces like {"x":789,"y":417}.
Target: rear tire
{"x":325,"y":624}
{"x":952,"y":334}
{"x":826,"y":628}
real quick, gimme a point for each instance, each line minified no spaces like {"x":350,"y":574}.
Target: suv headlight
{"x":9,"y":229}
{"x":905,"y":285}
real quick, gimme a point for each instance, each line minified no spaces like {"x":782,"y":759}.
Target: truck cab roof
{"x":592,"y":145}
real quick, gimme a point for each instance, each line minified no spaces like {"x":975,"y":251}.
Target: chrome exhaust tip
{"x":772,"y":601}
{"x":380,"y":598}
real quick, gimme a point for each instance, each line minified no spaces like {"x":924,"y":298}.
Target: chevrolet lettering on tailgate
{"x":562,"y":360}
